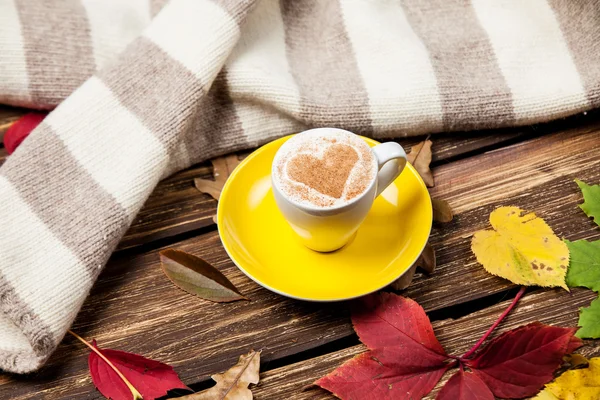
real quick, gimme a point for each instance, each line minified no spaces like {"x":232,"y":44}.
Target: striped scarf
{"x":144,"y":88}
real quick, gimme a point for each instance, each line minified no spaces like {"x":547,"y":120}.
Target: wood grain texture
{"x":134,"y":307}
{"x":551,"y":306}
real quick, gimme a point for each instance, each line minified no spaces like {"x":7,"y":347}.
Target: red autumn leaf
{"x":151,"y":378}
{"x":465,"y":386}
{"x":386,"y":373}
{"x":386,"y":320}
{"x":407,"y":361}
{"x":519,"y":362}
{"x":21,"y":129}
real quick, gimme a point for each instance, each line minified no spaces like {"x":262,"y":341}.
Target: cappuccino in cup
{"x":324,"y":168}
{"x":325,"y":181}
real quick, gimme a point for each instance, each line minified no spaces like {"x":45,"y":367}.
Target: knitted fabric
{"x":145,"y":88}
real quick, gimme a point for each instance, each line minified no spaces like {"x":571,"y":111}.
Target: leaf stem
{"x":136,"y":395}
{"x":498,"y":321}
{"x":7,"y":125}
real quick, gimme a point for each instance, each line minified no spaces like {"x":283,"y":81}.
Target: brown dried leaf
{"x":442,"y":212}
{"x":420,"y":158}
{"x":222,"y":168}
{"x":233,"y":384}
{"x":405,"y":280}
{"x":197,"y":277}
{"x":575,"y":361}
{"x":426,"y":262}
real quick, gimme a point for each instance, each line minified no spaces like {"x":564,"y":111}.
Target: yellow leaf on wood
{"x":576,"y":384}
{"x":522,"y":248}
{"x":222,"y":168}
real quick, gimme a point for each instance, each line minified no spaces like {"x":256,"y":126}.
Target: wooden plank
{"x":135,"y":308}
{"x":553,"y":307}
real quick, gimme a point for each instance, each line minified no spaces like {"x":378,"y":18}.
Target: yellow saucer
{"x":262,"y":244}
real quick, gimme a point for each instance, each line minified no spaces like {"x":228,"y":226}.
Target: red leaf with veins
{"x":387,"y":373}
{"x":21,"y":129}
{"x":151,"y":378}
{"x":518,"y":363}
{"x":465,"y":386}
{"x":386,"y":320}
{"x":407,"y":362}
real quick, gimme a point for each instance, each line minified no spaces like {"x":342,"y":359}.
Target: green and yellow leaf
{"x":522,"y":248}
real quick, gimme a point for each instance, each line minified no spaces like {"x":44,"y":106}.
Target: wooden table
{"x":133,"y":307}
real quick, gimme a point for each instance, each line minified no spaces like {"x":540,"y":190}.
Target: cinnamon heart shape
{"x":326,"y":175}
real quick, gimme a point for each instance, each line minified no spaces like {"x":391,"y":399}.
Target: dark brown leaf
{"x":405,"y":280}
{"x":442,"y":212}
{"x":222,"y":168}
{"x":426,"y":262}
{"x":196,"y":276}
{"x":420,"y":158}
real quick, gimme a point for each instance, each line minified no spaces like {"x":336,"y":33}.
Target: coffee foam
{"x":308,"y":167}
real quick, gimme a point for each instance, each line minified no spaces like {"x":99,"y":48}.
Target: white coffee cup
{"x":326,"y":229}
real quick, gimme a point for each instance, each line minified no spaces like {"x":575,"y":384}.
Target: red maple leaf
{"x":21,"y":129}
{"x":387,"y":320}
{"x":519,"y":362}
{"x":406,"y":360}
{"x":151,"y":378}
{"x":465,"y":386}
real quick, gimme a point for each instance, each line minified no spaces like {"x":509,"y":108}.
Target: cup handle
{"x":391,"y":160}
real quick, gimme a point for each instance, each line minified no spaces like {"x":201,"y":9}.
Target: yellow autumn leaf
{"x":577,"y":384}
{"x":522,"y":248}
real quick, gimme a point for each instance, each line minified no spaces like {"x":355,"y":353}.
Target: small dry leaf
{"x":575,"y":361}
{"x":214,"y":218}
{"x":233,"y":384}
{"x":426,"y":262}
{"x":420,"y":158}
{"x":222,"y":168}
{"x":196,"y":276}
{"x":441,"y":211}
{"x":405,"y":280}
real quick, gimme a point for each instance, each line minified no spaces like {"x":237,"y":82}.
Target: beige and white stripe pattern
{"x":144,"y":88}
